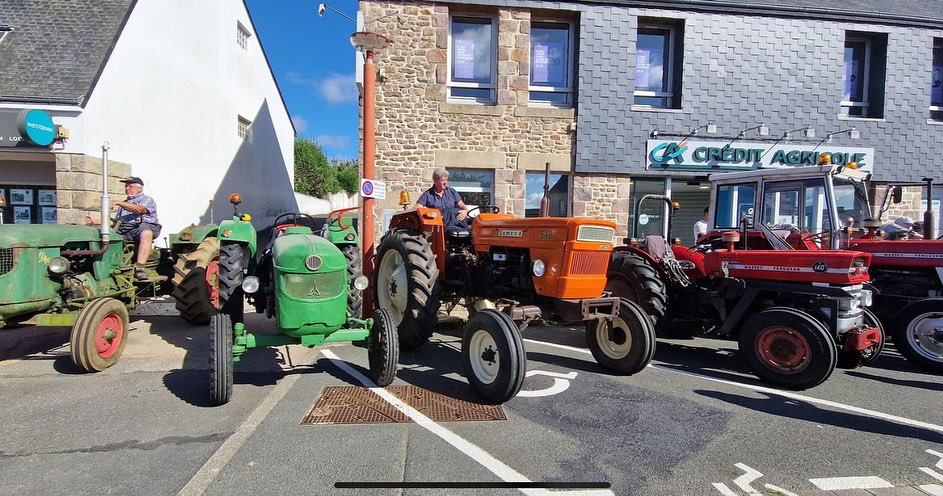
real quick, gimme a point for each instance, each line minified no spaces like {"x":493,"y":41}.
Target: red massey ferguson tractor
{"x":821,"y":208}
{"x":508,"y":271}
{"x":795,"y":317}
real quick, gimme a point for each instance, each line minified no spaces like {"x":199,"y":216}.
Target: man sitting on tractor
{"x":446,"y":199}
{"x":137,"y":218}
{"x":901,"y":228}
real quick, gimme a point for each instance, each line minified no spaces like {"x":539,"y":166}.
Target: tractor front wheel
{"x":99,"y":335}
{"x":788,"y":347}
{"x":194,"y":282}
{"x":853,"y":359}
{"x":406,"y":282}
{"x":383,"y":348}
{"x":628,"y":344}
{"x":493,"y":356}
{"x":231,"y":274}
{"x":221,"y":364}
{"x":918,"y":333}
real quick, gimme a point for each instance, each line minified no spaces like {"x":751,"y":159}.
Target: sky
{"x":314,"y":65}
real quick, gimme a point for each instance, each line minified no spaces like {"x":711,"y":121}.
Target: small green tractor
{"x":302,"y":280}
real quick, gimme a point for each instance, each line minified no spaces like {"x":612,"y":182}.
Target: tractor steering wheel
{"x":281,"y":221}
{"x":491,"y":209}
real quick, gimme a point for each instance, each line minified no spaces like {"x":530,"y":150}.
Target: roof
{"x":57,"y":48}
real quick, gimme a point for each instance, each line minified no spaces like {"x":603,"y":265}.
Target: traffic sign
{"x":371,"y":188}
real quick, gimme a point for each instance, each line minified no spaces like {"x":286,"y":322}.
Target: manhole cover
{"x":359,"y":405}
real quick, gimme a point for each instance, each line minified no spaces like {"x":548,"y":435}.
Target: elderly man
{"x":444,"y":198}
{"x":137,"y":217}
{"x":901,"y":228}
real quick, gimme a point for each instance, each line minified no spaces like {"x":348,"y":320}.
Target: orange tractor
{"x":507,"y":271}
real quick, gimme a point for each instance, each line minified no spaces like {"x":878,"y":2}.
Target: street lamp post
{"x":368,"y":42}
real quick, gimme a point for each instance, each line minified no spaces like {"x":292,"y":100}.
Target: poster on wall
{"x":464,"y":60}
{"x":21,"y":196}
{"x":549,"y":63}
{"x":936,"y":87}
{"x":22,"y":215}
{"x":49,"y":215}
{"x":47,"y":197}
{"x":642,"y":68}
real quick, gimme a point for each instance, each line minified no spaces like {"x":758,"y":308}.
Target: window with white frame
{"x":475,"y":186}
{"x":558,"y":194}
{"x":551,"y":63}
{"x":242,"y":36}
{"x":658,"y":65}
{"x":865,"y":62}
{"x":242,"y":128}
{"x":472,"y":59}
{"x":936,"y":81}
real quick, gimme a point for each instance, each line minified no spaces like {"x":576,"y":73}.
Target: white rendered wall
{"x":168,"y":102}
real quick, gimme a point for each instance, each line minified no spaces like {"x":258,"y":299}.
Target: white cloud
{"x":301,"y":124}
{"x":338,"y":88}
{"x":533,"y":200}
{"x":333,"y":141}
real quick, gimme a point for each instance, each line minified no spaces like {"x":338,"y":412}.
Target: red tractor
{"x":821,"y":208}
{"x":795,"y":317}
{"x":508,"y":271}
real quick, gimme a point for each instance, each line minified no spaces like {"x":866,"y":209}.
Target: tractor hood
{"x":902,"y":253}
{"x":830,"y":267}
{"x":37,"y":235}
{"x":290,"y":252}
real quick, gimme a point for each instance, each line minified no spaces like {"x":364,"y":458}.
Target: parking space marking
{"x":561,"y":382}
{"x":482,"y":457}
{"x":843,"y":483}
{"x":932,"y":489}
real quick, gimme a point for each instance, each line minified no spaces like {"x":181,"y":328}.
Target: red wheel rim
{"x":109,"y":334}
{"x":212,"y":281}
{"x":783,"y":349}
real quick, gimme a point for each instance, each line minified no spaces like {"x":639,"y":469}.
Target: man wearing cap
{"x":137,"y":217}
{"x":902,"y":228}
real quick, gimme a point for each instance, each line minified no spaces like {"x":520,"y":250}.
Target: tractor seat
{"x":458,"y":232}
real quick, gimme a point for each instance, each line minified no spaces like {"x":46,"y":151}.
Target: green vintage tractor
{"x":300,"y":279}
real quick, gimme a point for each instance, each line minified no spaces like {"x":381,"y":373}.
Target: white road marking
{"x":724,"y":489}
{"x":932,"y":473}
{"x":485,"y":459}
{"x":939,"y":464}
{"x":779,"y":490}
{"x":561,"y":346}
{"x":749,"y":475}
{"x":932,"y":489}
{"x":560,"y":384}
{"x":841,"y":483}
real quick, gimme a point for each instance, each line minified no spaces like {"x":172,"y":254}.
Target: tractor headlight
{"x":349,"y":237}
{"x":58,"y":265}
{"x":250,"y":284}
{"x":538,"y":267}
{"x":361,"y":282}
{"x":313,"y":262}
{"x":866,"y":298}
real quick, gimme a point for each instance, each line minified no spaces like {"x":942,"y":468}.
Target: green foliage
{"x":316,"y":176}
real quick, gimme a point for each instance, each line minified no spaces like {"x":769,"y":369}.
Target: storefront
{"x":28,"y":167}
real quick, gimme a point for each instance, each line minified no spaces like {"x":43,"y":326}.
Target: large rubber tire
{"x":194,"y":282}
{"x":99,"y":335}
{"x":632,"y":344}
{"x":918,"y":333}
{"x":354,"y":269}
{"x":231,"y":275}
{"x":788,"y":347}
{"x":854,"y":359}
{"x":406,"y":282}
{"x":383,"y":348}
{"x":221,"y":364}
{"x":493,"y":356}
{"x":632,"y":277}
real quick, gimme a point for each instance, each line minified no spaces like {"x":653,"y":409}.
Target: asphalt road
{"x":695,"y":422}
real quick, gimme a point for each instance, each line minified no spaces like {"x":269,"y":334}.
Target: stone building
{"x":607,"y":92}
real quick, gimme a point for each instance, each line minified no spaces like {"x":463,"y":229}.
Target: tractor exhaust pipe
{"x":105,"y":208}
{"x":929,"y":222}
{"x":545,"y":201}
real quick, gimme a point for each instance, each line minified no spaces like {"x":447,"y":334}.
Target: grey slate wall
{"x":740,"y":71}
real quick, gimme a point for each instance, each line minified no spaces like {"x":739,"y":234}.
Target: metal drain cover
{"x":359,"y":405}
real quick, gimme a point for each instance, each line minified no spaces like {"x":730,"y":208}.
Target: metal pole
{"x":369,"y":172}
{"x":545,"y":201}
{"x":929,"y":221}
{"x":105,"y":200}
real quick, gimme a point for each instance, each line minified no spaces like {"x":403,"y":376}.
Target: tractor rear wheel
{"x":354,"y":269}
{"x":383,"y":348}
{"x":406,"y":282}
{"x":918,"y":333}
{"x":493,"y":356}
{"x":853,"y":359}
{"x":632,"y":277}
{"x":221,"y":364}
{"x":788,"y":347}
{"x":194,"y":282}
{"x":231,"y":274}
{"x":99,"y":335}
{"x":629,"y":345}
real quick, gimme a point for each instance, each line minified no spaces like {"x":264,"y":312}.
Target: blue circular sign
{"x":367,"y":188}
{"x":37,"y":127}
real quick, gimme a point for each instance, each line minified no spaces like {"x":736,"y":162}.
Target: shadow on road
{"x":932,"y":386}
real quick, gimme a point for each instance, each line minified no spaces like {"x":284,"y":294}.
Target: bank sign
{"x":720,"y":155}
{"x":25,"y":128}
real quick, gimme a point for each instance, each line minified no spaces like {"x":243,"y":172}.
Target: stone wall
{"x":604,"y":196}
{"x":79,"y":185}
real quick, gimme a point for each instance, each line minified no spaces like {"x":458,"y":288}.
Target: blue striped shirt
{"x":129,"y":217}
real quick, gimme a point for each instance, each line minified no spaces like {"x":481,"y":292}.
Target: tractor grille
{"x":589,"y":262}
{"x":596,"y":233}
{"x":320,"y":286}
{"x":6,"y":260}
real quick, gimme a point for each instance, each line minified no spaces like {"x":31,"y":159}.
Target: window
{"x":242,"y":36}
{"x":472,"y":59}
{"x":658,"y":65}
{"x":936,"y":81}
{"x":242,"y":128}
{"x":649,"y":217}
{"x":476,"y":187}
{"x":559,"y":194}
{"x":798,"y":204}
{"x":865,"y":61}
{"x":734,"y":202}
{"x":551,"y":63}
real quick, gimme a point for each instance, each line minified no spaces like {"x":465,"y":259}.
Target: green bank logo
{"x":36,"y":126}
{"x":669,"y":151}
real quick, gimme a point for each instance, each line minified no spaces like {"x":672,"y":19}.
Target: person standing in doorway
{"x":700,"y":227}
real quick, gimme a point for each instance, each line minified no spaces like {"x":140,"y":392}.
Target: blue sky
{"x":313,"y":62}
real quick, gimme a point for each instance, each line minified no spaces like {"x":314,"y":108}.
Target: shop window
{"x":551,"y":63}
{"x":936,"y":81}
{"x":472,"y":59}
{"x":475,"y":186}
{"x":242,"y":36}
{"x":658,"y":57}
{"x":243,"y":128}
{"x":734,"y":202}
{"x":865,"y":62}
{"x":28,"y":204}
{"x":558,"y":194}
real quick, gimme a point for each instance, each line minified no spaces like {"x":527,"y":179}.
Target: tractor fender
{"x":237,"y":231}
{"x":691,"y":260}
{"x":642,"y":253}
